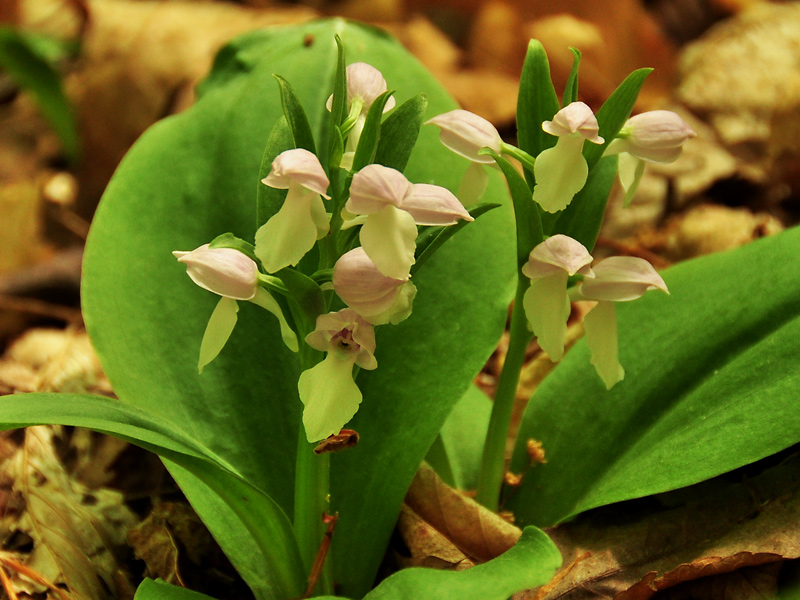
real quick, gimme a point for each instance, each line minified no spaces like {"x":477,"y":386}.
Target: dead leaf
{"x":427,"y":546}
{"x":75,"y":530}
{"x":473,"y":529}
{"x":714,"y":527}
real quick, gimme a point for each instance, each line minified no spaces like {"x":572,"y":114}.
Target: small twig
{"x":25,"y":570}
{"x":659,"y":262}
{"x":72,"y":221}
{"x":41,"y":308}
{"x":546,"y":589}
{"x":10,"y":591}
{"x":322,"y":553}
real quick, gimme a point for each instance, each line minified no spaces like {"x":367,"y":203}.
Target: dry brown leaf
{"x":75,"y":530}
{"x":716,"y":527}
{"x":428,"y":547}
{"x":476,"y":531}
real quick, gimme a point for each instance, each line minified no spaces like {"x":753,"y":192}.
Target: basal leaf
{"x":158,"y":589}
{"x":710,"y":386}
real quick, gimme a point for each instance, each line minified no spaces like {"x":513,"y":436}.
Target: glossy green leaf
{"x":159,"y":589}
{"x":456,"y":454}
{"x":710,"y":385}
{"x":250,"y":527}
{"x":571,"y":88}
{"x":295,"y":116}
{"x":368,"y":142}
{"x":399,"y":133}
{"x":194,"y":176}
{"x":530,"y":563}
{"x":582,"y":219}
{"x":25,"y":59}
{"x":537,"y":102}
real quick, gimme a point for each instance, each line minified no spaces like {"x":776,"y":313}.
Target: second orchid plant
{"x":346,"y":231}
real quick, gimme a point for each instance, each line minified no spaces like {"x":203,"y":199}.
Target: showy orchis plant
{"x":372,"y":280}
{"x":548,"y":257}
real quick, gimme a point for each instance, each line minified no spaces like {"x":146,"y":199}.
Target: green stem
{"x":526,"y":159}
{"x":490,"y":479}
{"x":311,"y":501}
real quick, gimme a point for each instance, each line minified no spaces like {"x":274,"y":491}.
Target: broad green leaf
{"x":295,"y":116}
{"x":399,"y":133}
{"x":159,"y":589}
{"x":571,"y":89}
{"x":583,"y":218}
{"x":199,"y":169}
{"x":456,"y":454}
{"x":537,"y":102}
{"x":710,"y":386}
{"x":237,"y":514}
{"x":530,"y":563}
{"x":368,"y":142}
{"x":22,"y":56}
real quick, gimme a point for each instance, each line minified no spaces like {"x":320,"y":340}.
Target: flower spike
{"x":546,"y":302}
{"x":561,"y":171}
{"x":327,"y":390}
{"x":291,"y":232}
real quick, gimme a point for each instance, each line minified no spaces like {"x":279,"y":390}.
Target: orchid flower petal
{"x":575,"y":118}
{"x":466,"y":133}
{"x":223,"y":271}
{"x":621,"y":279}
{"x":434,"y":205}
{"x":377,"y":298}
{"x":330,"y":396}
{"x":219,"y":329}
{"x":558,"y":253}
{"x":267,"y":302}
{"x":547,"y":307}
{"x":291,"y":232}
{"x":300,"y":167}
{"x":345,"y":332}
{"x":601,"y":337}
{"x":630,"y":170}
{"x":655,"y":136}
{"x":389,"y":239}
{"x":560,"y":172}
{"x":375,"y":187}
{"x":473,"y":184}
{"x":365,"y":82}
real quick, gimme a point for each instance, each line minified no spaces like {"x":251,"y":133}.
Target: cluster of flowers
{"x":560,"y":173}
{"x":373,"y":280}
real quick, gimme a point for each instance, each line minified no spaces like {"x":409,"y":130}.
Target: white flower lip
{"x":575,"y":118}
{"x":622,"y":279}
{"x":466,"y":133}
{"x":300,"y":167}
{"x":223,"y":271}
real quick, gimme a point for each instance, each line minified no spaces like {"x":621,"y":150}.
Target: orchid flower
{"x":546,"y":302}
{"x":561,"y":171}
{"x":233,"y":276}
{"x":327,"y":390}
{"x":466,"y":133}
{"x":655,"y":136}
{"x":616,"y":279}
{"x":393,"y":207}
{"x":291,"y":232}
{"x":374,"y":296}
{"x":364,"y":84}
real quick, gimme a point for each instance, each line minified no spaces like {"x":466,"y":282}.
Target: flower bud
{"x":377,"y":298}
{"x":466,"y":133}
{"x":223,"y":271}
{"x":364,"y":84}
{"x":657,"y":136}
